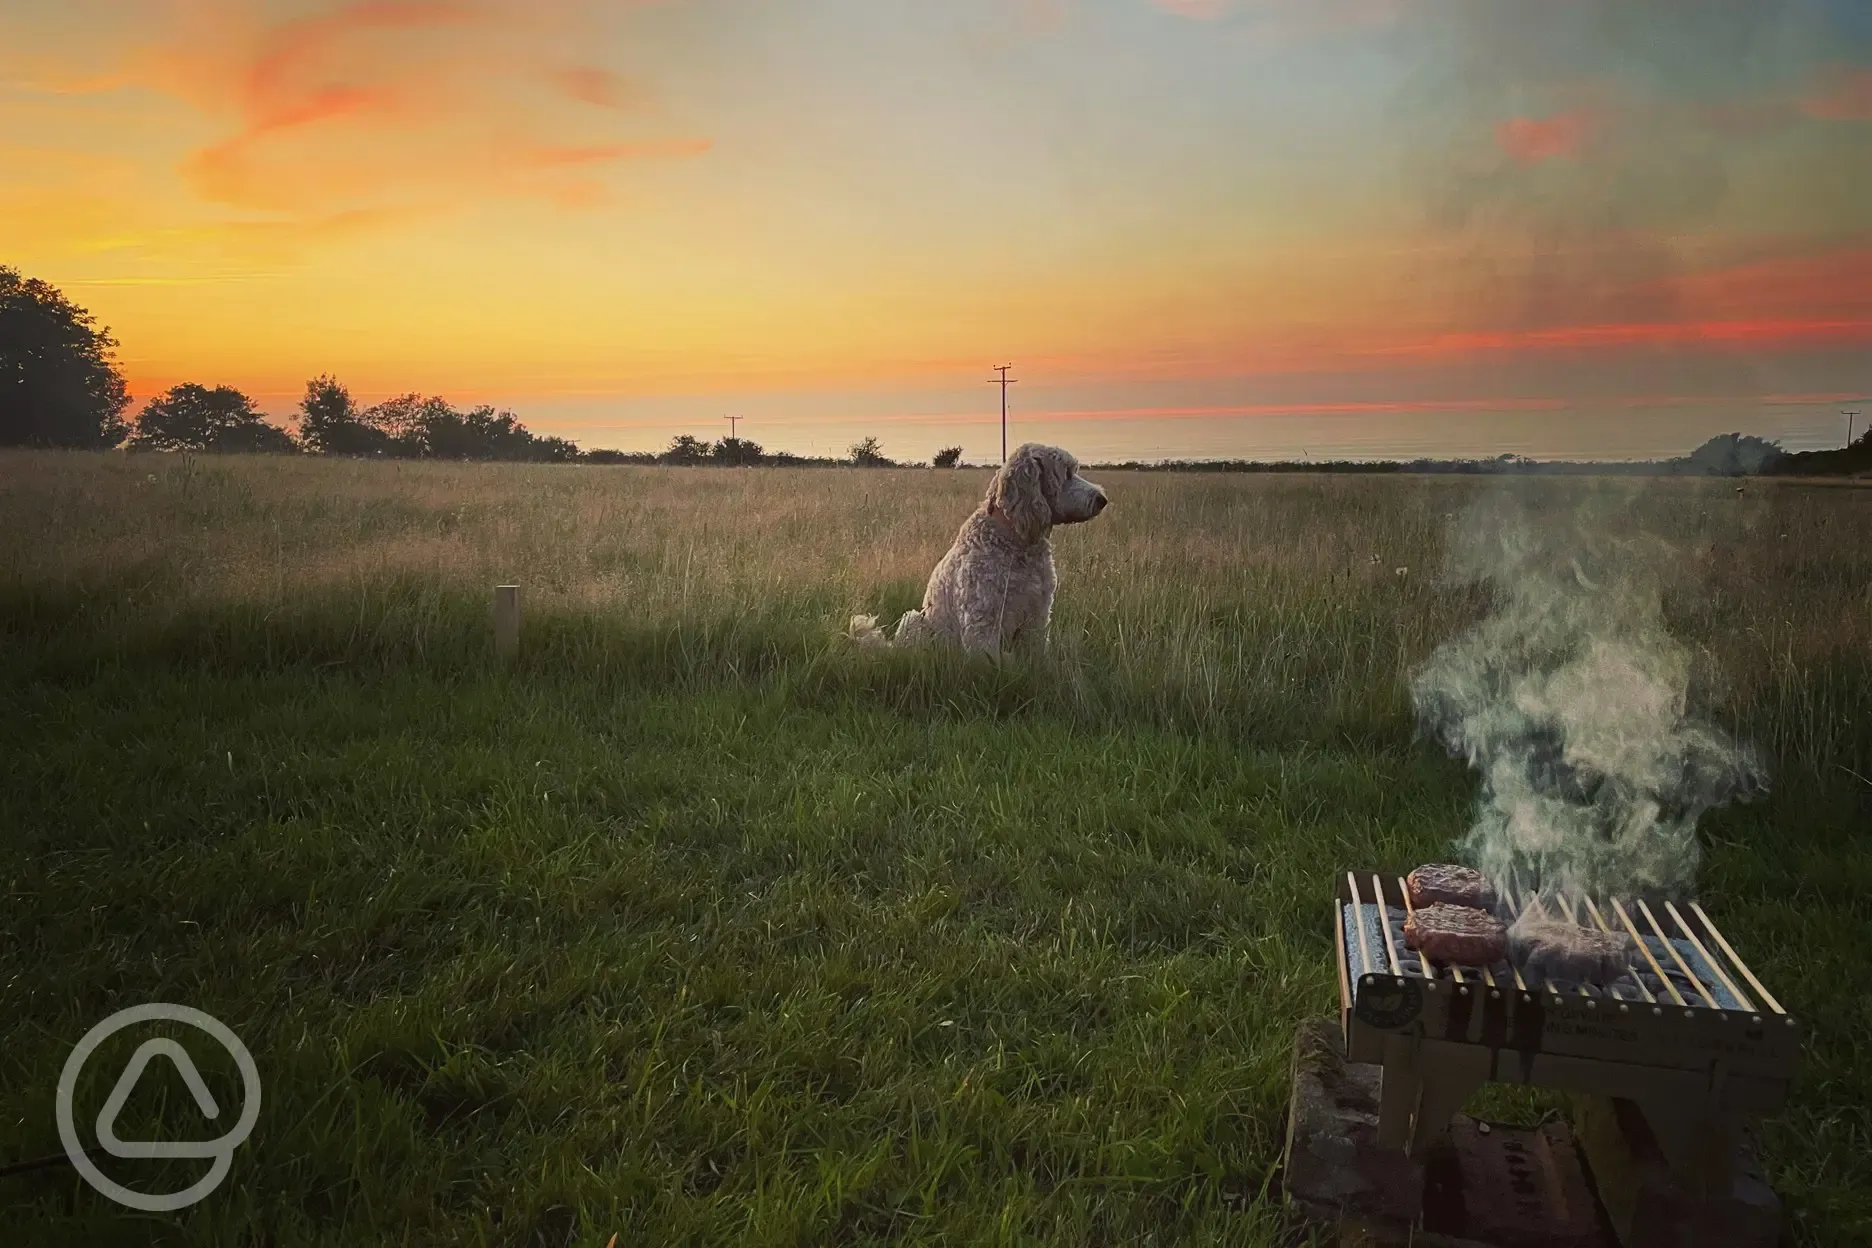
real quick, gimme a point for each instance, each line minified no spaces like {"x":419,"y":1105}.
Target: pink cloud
{"x":1531,"y":140}
{"x":1834,"y":282}
{"x":1843,"y":94}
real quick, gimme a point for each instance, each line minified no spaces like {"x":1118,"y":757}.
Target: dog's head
{"x":1040,"y":487}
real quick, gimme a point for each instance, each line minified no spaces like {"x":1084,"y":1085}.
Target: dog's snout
{"x":1098,"y":502}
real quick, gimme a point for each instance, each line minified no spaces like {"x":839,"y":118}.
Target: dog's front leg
{"x":981,"y":632}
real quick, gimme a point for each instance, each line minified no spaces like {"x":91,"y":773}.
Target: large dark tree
{"x":686,"y":448}
{"x":1734,"y":455}
{"x":189,"y":417}
{"x":737,"y":451}
{"x":483,"y":433}
{"x":331,"y":423}
{"x":59,"y":384}
{"x":407,"y":420}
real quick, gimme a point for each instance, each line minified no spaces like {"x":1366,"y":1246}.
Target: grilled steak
{"x":1550,"y":948}
{"x":1441,"y":883}
{"x":1461,"y":935}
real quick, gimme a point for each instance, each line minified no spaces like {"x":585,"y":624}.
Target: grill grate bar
{"x":1600,"y":920}
{"x":1567,"y":907}
{"x":1675,"y":955}
{"x":1533,"y":902}
{"x":1384,"y":925}
{"x":1708,"y":961}
{"x":1716,"y":934}
{"x":1519,"y":983}
{"x":1423,"y":963}
{"x":1358,"y":925}
{"x":1646,"y":950}
{"x":1697,"y":966}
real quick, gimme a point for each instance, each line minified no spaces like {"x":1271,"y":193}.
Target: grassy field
{"x":698,"y":926}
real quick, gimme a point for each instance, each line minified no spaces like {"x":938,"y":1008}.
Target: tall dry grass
{"x":1303,"y":601}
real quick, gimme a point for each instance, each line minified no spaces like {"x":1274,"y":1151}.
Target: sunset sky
{"x":1196,"y":227}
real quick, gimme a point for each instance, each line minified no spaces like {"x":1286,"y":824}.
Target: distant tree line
{"x":190,"y":417}
{"x":1725,"y":455}
{"x":411,"y":426}
{"x":688,"y":451}
{"x":60,"y":387}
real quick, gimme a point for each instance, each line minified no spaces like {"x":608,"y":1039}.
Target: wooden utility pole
{"x":733,"y":425}
{"x":1849,"y":415}
{"x":1004,"y":381}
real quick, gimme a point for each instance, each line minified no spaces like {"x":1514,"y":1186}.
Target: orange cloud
{"x":1836,"y":93}
{"x":1805,"y":299}
{"x":591,"y":84}
{"x":1344,"y":408}
{"x":383,"y":102}
{"x":1843,"y":94}
{"x":560,"y":157}
{"x":1531,"y":140}
{"x":1793,"y":332}
{"x":296,"y":49}
{"x":1278,"y":19}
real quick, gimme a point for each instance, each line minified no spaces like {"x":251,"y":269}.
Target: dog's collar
{"x":1007,"y":524}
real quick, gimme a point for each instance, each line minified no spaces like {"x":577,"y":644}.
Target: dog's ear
{"x":1018,"y":494}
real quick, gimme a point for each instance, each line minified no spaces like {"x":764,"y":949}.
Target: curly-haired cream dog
{"x":995,"y":586}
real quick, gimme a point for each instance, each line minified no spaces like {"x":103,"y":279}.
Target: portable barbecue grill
{"x":1689,"y":1034}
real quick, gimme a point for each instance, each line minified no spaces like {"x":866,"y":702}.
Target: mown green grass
{"x":698,"y":927}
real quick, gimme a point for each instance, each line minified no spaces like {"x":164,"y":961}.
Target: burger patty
{"x":1462,"y":935}
{"x":1445,"y":883}
{"x":1548,"y":948}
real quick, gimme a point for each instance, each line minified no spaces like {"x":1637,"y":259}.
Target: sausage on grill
{"x":1461,"y":935}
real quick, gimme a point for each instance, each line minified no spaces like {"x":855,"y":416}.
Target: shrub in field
{"x":59,"y":383}
{"x":686,"y":448}
{"x":737,"y":451}
{"x":189,"y":417}
{"x":1734,"y":455}
{"x":948,"y":457}
{"x":1855,"y":458}
{"x":607,"y":456}
{"x":868,"y":453}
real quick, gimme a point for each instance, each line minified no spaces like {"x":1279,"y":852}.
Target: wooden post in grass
{"x":507,"y":621}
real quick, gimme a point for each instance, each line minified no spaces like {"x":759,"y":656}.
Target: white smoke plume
{"x":1571,"y":699}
